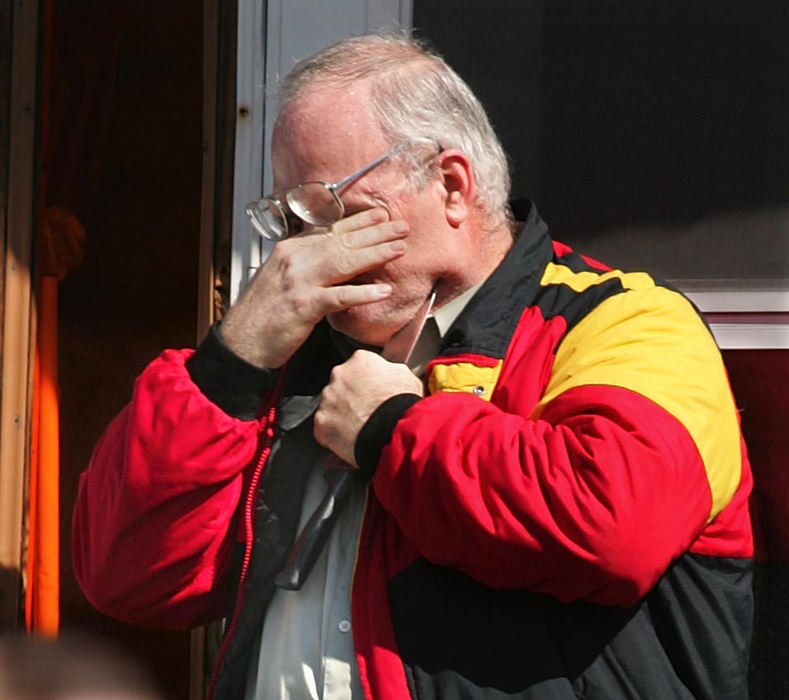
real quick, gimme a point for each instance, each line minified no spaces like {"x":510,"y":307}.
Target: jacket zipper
{"x":249,"y":509}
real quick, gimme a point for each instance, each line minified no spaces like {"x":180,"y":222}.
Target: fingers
{"x":355,"y":390}
{"x":323,"y":257}
{"x":355,"y":245}
{"x":345,"y":296}
{"x":304,"y":279}
{"x":345,"y":263}
{"x":361,"y":220}
{"x":365,"y":228}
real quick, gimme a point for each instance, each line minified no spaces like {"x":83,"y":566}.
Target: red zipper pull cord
{"x":249,"y":505}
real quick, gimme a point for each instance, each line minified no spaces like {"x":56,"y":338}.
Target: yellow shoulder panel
{"x":650,"y":340}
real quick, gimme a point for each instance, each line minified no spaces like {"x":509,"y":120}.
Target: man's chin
{"x":364,"y":326}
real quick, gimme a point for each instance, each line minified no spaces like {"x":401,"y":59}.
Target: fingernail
{"x":383,"y":290}
{"x":397,"y":246}
{"x":399,"y":226}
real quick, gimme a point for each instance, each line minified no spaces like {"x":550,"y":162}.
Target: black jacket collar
{"x":489,"y":320}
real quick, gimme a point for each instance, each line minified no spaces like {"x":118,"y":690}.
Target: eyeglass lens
{"x":311,"y":202}
{"x":314,"y":203}
{"x":268,"y":219}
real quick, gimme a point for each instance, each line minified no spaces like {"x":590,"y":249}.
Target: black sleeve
{"x":378,"y":429}
{"x":233,"y":384}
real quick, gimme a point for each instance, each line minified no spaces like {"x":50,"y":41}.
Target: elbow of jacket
{"x":132,"y":610}
{"x":112,"y":590}
{"x":626,"y":572}
{"x":96,"y":591}
{"x":143,"y":597}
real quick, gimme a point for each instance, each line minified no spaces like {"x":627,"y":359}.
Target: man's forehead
{"x":325,"y":132}
{"x":325,"y":108}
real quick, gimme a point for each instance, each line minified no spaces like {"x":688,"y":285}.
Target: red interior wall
{"x":760,"y":381}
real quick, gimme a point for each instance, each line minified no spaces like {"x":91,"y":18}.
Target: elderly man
{"x":552,"y":504}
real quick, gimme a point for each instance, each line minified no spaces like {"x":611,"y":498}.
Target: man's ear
{"x":459,"y":186}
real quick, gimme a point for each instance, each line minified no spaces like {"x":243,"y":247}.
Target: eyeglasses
{"x":317,"y":203}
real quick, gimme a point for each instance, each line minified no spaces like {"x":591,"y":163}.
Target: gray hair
{"x":417,"y":99}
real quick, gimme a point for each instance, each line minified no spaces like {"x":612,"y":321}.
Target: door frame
{"x":17,"y":233}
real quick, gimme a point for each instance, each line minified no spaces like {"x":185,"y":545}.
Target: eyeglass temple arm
{"x":367,"y":168}
{"x":361,"y":172}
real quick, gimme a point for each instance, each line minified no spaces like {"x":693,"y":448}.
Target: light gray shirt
{"x":306,"y":648}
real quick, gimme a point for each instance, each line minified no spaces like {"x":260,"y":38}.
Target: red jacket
{"x":577,"y":472}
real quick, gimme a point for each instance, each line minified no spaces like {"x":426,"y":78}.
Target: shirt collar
{"x":436,"y":326}
{"x":446,"y":315}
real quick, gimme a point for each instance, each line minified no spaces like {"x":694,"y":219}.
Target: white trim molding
{"x":743,"y":314}
{"x":751,"y":336}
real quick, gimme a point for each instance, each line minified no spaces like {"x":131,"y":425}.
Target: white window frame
{"x":740,"y":317}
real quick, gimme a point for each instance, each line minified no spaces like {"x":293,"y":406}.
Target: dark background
{"x":640,"y":128}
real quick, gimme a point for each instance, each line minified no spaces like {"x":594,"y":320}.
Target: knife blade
{"x":401,"y":346}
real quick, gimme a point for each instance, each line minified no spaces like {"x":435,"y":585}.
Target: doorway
{"x":123,"y":147}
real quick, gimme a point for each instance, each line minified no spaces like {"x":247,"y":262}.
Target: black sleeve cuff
{"x":378,"y":429}
{"x":233,"y":384}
